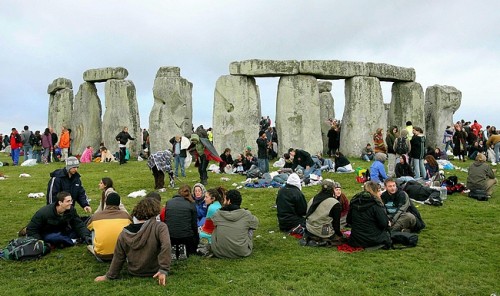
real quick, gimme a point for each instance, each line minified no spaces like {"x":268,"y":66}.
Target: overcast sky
{"x":452,"y":43}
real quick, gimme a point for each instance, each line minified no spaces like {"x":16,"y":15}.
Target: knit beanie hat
{"x":327,"y":185}
{"x":72,"y":162}
{"x":294,"y":180}
{"x":113,"y":199}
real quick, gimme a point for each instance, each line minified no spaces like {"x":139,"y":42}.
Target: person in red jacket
{"x":15,"y":145}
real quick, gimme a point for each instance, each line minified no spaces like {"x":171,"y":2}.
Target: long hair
{"x":108,"y":183}
{"x":372,"y":188}
{"x":431,"y":161}
{"x":185,"y":191}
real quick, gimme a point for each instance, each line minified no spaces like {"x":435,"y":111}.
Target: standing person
{"x":145,"y":136}
{"x":179,"y":155}
{"x":378,"y":141}
{"x":234,"y":226}
{"x":448,"y":138}
{"x":68,"y":179}
{"x":53,"y":157}
{"x":122,"y":139}
{"x":409,"y":129}
{"x":291,"y":204}
{"x":161,"y":163}
{"x":391,"y":137}
{"x":460,"y":142}
{"x":417,"y":152}
{"x":46,"y":145}
{"x":64,"y":143}
{"x":402,"y":145}
{"x":332,"y":140}
{"x":200,"y":157}
{"x":144,"y":245}
{"x":262,"y":158}
{"x":36,"y":141}
{"x":180,"y":216}
{"x":368,"y":219}
{"x":15,"y":145}
{"x":106,"y":226}
{"x":27,"y":146}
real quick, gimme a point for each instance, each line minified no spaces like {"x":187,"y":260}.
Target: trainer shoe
{"x":182,"y":252}
{"x":173,"y":253}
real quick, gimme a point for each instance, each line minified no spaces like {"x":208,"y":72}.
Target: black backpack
{"x":33,"y":140}
{"x":25,"y":248}
{"x":401,"y":146}
{"x":18,"y":138}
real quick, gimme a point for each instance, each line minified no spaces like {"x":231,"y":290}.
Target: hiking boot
{"x":182,"y":252}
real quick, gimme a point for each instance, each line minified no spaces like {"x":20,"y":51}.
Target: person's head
{"x":146,"y":209}
{"x":382,"y":157}
{"x":185,"y":191}
{"x":390,"y":185}
{"x":249,"y":156}
{"x":262,"y":134}
{"x":227,"y":151}
{"x":125,"y":129}
{"x":105,"y":183}
{"x":417,"y":130}
{"x":233,"y":197}
{"x":72,"y":165}
{"x":327,"y":186}
{"x":47,"y":131}
{"x":481,"y":157}
{"x":103,"y":149}
{"x":154,"y":195}
{"x":403,"y":160}
{"x":248,"y":149}
{"x":14,"y":130}
{"x":368,"y":146}
{"x":37,"y":133}
{"x":338,"y":154}
{"x":240,"y":156}
{"x":113,"y":199}
{"x":394,"y":129}
{"x":404,"y":133}
{"x":437,"y":151}
{"x":177,"y":138}
{"x":408,"y":123}
{"x":431,"y":160}
{"x":26,"y":128}
{"x":378,"y":131}
{"x":294,"y":180}
{"x":64,"y":201}
{"x":373,"y":188}
{"x":198,"y":191}
{"x":211,"y":196}
{"x":337,"y":190}
{"x":291,"y":151}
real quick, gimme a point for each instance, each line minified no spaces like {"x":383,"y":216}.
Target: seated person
{"x":302,"y":159}
{"x":199,"y":199}
{"x":481,"y":176}
{"x":368,"y":219}
{"x":367,"y":153}
{"x":87,"y":155}
{"x":397,"y":204}
{"x":227,"y":159}
{"x":144,"y":245}
{"x":377,"y":169}
{"x":438,"y":154}
{"x":249,"y":161}
{"x":233,"y":233}
{"x":213,"y":199}
{"x":342,"y":164}
{"x":238,"y":164}
{"x":323,"y":218}
{"x":344,"y":202}
{"x":288,"y":161}
{"x":58,"y":223}
{"x":431,"y":166}
{"x":324,"y":163}
{"x":106,"y":226}
{"x":106,"y":156}
{"x":291,"y":204}
{"x":403,"y":169}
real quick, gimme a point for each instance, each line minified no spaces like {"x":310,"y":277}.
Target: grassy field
{"x":458,"y":253}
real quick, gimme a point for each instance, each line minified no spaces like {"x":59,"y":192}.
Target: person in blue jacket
{"x":377,"y":169}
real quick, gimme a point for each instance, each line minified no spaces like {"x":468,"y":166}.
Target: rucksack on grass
{"x":25,"y":248}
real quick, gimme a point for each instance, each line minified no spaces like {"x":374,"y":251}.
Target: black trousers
{"x":123,"y":151}
{"x":159,"y":178}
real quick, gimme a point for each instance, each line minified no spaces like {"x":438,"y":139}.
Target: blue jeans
{"x":497,"y":152}
{"x":60,"y":240}
{"x":37,"y":155}
{"x":263,"y":165}
{"x":367,"y":157}
{"x":179,"y":161}
{"x":28,"y":152}
{"x":15,"y":155}
{"x":448,"y":144}
{"x":418,"y":168}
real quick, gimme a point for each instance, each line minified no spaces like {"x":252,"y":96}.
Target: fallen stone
{"x":264,"y":68}
{"x":58,"y":84}
{"x":105,"y":74}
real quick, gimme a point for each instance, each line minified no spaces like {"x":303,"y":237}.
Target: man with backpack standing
{"x":402,"y":145}
{"x":26,"y":136}
{"x":15,"y":144}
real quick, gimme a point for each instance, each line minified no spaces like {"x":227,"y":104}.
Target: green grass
{"x":458,"y":253}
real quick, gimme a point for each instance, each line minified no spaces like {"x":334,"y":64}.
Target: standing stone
{"x":327,"y":111}
{"x":86,"y":122}
{"x":236,"y":113}
{"x":363,"y":114}
{"x":60,"y":104}
{"x":121,"y":110}
{"x":407,"y":104}
{"x":104,"y":74}
{"x":441,"y":102}
{"x":297,"y":113}
{"x":172,"y":111}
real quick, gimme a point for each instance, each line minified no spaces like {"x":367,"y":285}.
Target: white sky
{"x":447,"y":42}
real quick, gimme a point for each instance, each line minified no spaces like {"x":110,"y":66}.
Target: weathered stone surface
{"x":327,"y":111}
{"x":172,"y":111}
{"x":169,"y":72}
{"x":441,"y":102}
{"x":236,"y":113}
{"x":386,"y":72}
{"x":264,"y":68}
{"x":86,"y":120}
{"x":121,"y":111}
{"x":60,"y":109}
{"x":104,"y":74}
{"x":297,"y":113}
{"x":58,"y":84}
{"x":333,"y":69}
{"x":324,"y":86}
{"x":363,"y":114}
{"x":407,"y":104}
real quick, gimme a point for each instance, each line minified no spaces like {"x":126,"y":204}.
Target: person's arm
{"x":164,"y":257}
{"x":35,"y":226}
{"x":335,"y":215}
{"x":382,"y":172}
{"x":80,"y":228}
{"x":404,"y":203}
{"x":381,"y":219}
{"x":253,"y":223}
{"x":301,"y":205}
{"x":82,"y":199}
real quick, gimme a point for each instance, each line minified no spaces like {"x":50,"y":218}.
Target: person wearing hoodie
{"x":144,"y":245}
{"x":106,"y":226}
{"x":368,"y":219}
{"x":377,"y":169}
{"x":180,"y":216}
{"x":291,"y":204}
{"x":323,"y":218}
{"x":68,"y":179}
{"x":481,"y":176}
{"x":199,"y":199}
{"x":233,"y":233}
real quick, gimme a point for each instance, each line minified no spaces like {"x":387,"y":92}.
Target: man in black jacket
{"x":122,"y":139}
{"x":58,"y":223}
{"x":291,"y":204}
{"x":397,"y":204}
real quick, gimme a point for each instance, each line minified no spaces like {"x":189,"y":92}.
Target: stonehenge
{"x":304,"y":104}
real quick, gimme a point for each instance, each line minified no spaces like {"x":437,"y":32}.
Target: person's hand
{"x":101,"y":278}
{"x":162,"y":278}
{"x":87,"y":209}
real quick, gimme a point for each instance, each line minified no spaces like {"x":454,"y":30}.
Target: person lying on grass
{"x":144,"y":245}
